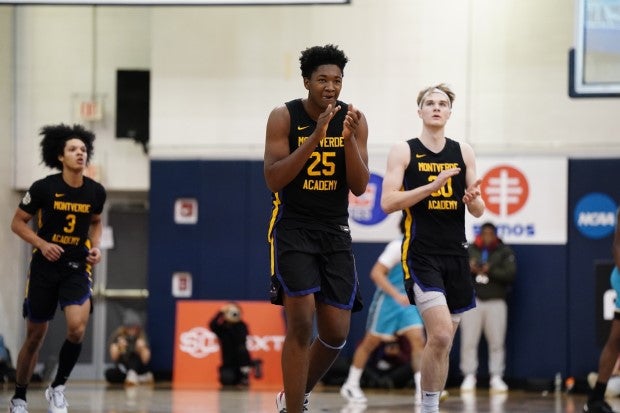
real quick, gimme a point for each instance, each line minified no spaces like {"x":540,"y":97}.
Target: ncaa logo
{"x":366,"y":208}
{"x":595,"y":215}
{"x":504,"y":190}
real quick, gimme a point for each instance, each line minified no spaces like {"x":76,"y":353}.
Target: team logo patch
{"x":26,"y":199}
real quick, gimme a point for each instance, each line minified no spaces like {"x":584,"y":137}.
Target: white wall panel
{"x":216,"y":73}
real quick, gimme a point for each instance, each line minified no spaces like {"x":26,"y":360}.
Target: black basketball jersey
{"x":436,"y":225}
{"x":64,"y":212}
{"x":319,"y":193}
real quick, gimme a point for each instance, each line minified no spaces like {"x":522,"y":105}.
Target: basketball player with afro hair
{"x":68,"y":206}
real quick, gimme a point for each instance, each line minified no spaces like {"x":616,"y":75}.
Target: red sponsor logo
{"x":504,"y":190}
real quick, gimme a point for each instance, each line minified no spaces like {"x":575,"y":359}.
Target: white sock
{"x":417,"y":378}
{"x":613,"y":386}
{"x":430,"y":401}
{"x":355,"y":376}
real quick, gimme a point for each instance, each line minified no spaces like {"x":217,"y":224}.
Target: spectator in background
{"x":130,"y":351}
{"x":596,"y":399}
{"x":389,"y":366}
{"x":232,"y":333}
{"x":493,"y":268}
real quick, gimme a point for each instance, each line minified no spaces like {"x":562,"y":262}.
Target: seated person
{"x":389,"y":365}
{"x":232,"y":333}
{"x":130,"y":351}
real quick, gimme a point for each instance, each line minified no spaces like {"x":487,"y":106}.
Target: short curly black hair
{"x":56,"y":136}
{"x":489,"y":225}
{"x":315,"y":56}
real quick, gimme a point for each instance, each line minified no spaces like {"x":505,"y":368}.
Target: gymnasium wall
{"x":216,"y":72}
{"x":10,"y":299}
{"x":552,"y":305}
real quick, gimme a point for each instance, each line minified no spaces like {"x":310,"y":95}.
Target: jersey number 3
{"x":70,"y":224}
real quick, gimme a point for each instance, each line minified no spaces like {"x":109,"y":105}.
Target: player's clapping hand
{"x":472,"y":193}
{"x":443,"y":177}
{"x":351,"y":121}
{"x":324,"y":118}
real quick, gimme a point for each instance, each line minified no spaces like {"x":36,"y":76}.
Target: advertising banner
{"x":197,"y":355}
{"x":525,"y":197}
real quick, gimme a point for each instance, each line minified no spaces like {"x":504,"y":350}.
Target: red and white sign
{"x":505,"y":190}
{"x":90,"y":111}
{"x":186,"y":211}
{"x":182,"y":285}
{"x":87,"y":107}
{"x":525,"y":197}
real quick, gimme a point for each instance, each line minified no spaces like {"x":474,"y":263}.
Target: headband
{"x":434,"y":90}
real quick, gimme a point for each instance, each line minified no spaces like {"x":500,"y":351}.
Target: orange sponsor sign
{"x":197,"y":354}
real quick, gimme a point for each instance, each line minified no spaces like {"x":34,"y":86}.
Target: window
{"x":595,"y":61}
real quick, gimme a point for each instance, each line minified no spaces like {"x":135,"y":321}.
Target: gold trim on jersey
{"x":272,"y":222}
{"x":27,"y":283}
{"x":89,"y":267}
{"x":406,"y":243}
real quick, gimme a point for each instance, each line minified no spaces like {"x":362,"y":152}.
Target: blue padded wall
{"x":226,"y":251}
{"x":586,"y":176}
{"x":551,"y":314}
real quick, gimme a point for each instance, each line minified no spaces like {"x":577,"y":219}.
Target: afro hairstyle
{"x":56,"y":136}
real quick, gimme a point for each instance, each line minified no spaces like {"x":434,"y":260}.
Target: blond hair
{"x":440,"y":88}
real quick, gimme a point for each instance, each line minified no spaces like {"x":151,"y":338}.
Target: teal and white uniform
{"x":387,"y":317}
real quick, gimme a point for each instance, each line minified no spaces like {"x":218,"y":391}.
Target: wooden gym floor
{"x":97,"y":397}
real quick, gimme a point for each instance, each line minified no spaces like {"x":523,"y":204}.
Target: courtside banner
{"x":197,"y":354}
{"x":525,"y":197}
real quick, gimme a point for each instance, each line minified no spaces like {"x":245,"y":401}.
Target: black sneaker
{"x":597,"y":406}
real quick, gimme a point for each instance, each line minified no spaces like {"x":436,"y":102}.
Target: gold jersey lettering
{"x":72,"y":207}
{"x":320,"y":185}
{"x":435,"y":167}
{"x":326,"y":142}
{"x":332,"y":142}
{"x":443,"y":204}
{"x":65,"y":239}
